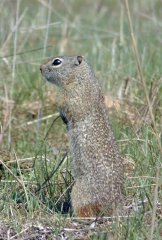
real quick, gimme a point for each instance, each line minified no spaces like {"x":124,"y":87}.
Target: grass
{"x":35,"y":170}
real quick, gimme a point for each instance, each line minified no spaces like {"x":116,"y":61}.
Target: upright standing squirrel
{"x":97,"y":164}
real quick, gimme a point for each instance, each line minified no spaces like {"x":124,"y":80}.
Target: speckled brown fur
{"x":97,"y":164}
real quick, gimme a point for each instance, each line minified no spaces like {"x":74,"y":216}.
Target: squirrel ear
{"x":78,"y":60}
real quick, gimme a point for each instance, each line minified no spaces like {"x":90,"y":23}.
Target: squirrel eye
{"x":56,"y":62}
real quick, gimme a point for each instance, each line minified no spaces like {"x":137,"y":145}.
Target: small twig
{"x":22,"y":159}
{"x":94,"y":218}
{"x":40,"y":119}
{"x":18,"y":234}
{"x":15,"y":181}
{"x":141,"y":186}
{"x":24,"y":52}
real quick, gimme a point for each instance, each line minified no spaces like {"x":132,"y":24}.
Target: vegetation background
{"x":123,"y":44}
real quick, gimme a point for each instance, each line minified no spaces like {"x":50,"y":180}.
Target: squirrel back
{"x":97,"y":164}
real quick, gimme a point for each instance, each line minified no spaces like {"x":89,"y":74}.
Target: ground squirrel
{"x":97,"y":164}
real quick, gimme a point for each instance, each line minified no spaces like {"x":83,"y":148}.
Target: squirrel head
{"x":64,"y":71}
{"x":74,"y":76}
